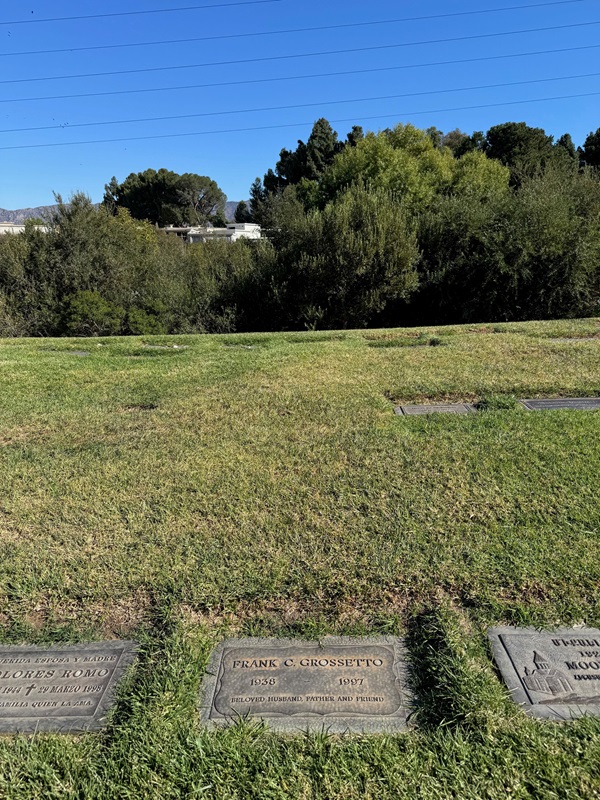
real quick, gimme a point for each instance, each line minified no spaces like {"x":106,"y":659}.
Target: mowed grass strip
{"x":261,"y":484}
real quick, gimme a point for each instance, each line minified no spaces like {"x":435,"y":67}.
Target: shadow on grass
{"x":452,"y":679}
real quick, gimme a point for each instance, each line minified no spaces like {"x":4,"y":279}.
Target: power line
{"x":185,"y":87}
{"x":287,"y":30}
{"x":137,"y":13}
{"x":301,"y":105}
{"x":297,"y":124}
{"x":302,"y":55}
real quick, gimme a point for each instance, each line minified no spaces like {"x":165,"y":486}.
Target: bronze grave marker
{"x":339,"y":683}
{"x":64,"y":689}
{"x":550,"y":674}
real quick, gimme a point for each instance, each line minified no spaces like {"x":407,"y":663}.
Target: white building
{"x":233,"y":232}
{"x":15,"y":227}
{"x":180,"y":232}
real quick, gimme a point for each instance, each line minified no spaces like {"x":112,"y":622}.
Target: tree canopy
{"x":591,"y":149}
{"x":523,"y":149}
{"x":401,"y":226}
{"x":166,"y":198}
{"x":410,"y":163}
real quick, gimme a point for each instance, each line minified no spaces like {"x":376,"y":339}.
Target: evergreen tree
{"x":321,"y":149}
{"x":242,"y":212}
{"x":565,"y":146}
{"x":523,"y":149}
{"x":308,"y":162}
{"x":291,"y":167}
{"x":258,"y":196}
{"x":355,"y":136}
{"x":591,"y":149}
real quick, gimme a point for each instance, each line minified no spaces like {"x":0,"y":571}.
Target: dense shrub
{"x":343,"y":264}
{"x":533,"y":253}
{"x":87,"y":313}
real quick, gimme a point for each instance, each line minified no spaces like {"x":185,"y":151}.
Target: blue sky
{"x":234,"y":158}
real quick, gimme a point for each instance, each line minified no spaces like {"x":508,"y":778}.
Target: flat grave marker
{"x":64,"y":689}
{"x":577,"y":403}
{"x":551,"y":674}
{"x":593,"y":338}
{"x":435,"y":408}
{"x":340,"y":684}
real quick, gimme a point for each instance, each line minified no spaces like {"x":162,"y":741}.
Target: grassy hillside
{"x":179,"y":490}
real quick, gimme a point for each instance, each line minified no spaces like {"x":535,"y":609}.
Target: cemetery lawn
{"x":181,"y":490}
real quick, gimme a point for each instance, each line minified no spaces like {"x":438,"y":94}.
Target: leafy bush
{"x":141,"y":323}
{"x":87,"y":313}
{"x":343,"y":264}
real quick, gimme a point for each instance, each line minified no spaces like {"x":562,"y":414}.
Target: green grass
{"x":261,"y":485}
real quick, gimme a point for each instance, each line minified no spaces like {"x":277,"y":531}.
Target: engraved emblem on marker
{"x":544,"y":679}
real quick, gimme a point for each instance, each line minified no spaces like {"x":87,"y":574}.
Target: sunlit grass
{"x":262,"y":485}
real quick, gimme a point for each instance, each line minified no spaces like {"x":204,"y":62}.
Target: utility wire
{"x":180,"y":87}
{"x":298,"y":124}
{"x":301,"y":105}
{"x":287,"y":30}
{"x":303,"y":55}
{"x":137,"y":13}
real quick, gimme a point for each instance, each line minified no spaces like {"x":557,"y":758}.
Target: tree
{"x":258,"y":197}
{"x":523,"y":149}
{"x":476,"y":141}
{"x":290,"y":168}
{"x":564,"y":145}
{"x":307,"y":163}
{"x":478,"y":177}
{"x":456,"y":141}
{"x":403,"y":160}
{"x":242,"y":212}
{"x":277,"y":212}
{"x":355,"y":136}
{"x":203,"y":196}
{"x":166,"y":198}
{"x":530,"y":253}
{"x":339,"y":267}
{"x":111,"y":195}
{"x":590,"y":151}
{"x":556,"y":234}
{"x":321,"y":149}
{"x":436,"y":136}
{"x":126,"y":262}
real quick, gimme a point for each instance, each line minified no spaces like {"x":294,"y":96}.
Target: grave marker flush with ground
{"x":340,"y":683}
{"x":546,"y":404}
{"x":550,"y":674}
{"x":67,"y":689}
{"x":435,"y":408}
{"x":574,"y":403}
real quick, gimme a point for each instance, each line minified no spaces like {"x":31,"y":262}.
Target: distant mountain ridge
{"x":21,"y":214}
